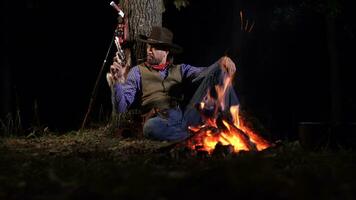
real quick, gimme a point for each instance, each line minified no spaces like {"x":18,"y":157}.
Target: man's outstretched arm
{"x":224,"y":63}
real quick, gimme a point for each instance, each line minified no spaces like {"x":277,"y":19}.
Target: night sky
{"x":52,"y":52}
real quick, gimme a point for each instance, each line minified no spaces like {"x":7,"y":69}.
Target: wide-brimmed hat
{"x":161,"y":36}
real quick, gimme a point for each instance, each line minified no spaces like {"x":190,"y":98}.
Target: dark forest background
{"x":296,"y":65}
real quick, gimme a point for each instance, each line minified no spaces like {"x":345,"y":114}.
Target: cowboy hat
{"x":163,"y":37}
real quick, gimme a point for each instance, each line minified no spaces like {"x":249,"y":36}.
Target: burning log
{"x":221,"y":150}
{"x":244,"y":137}
{"x":222,"y":130}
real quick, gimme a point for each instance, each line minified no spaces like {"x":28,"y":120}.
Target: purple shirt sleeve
{"x":126,"y":93}
{"x":190,"y":72}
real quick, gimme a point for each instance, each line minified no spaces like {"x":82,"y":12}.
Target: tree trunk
{"x":334,"y":70}
{"x":142,"y":15}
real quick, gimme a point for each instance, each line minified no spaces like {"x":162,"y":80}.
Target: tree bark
{"x":142,"y":15}
{"x":334,"y":70}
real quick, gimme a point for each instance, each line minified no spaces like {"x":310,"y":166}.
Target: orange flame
{"x":234,"y":133}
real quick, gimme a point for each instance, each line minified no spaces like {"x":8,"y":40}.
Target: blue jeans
{"x":166,"y":128}
{"x":174,"y":126}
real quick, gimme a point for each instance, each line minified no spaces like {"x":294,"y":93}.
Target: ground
{"x":96,"y":164}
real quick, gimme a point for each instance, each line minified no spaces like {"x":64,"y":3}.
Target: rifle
{"x":120,"y":37}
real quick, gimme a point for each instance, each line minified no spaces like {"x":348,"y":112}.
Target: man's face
{"x":156,"y":54}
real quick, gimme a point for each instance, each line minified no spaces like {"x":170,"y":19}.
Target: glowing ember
{"x":219,"y":128}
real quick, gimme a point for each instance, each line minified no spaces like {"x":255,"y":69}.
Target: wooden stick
{"x":93,"y":94}
{"x":253,"y":23}
{"x":242,"y":22}
{"x":246,"y":25}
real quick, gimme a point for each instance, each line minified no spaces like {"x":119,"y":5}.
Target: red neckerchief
{"x":159,"y":67}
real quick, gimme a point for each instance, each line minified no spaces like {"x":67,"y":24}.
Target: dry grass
{"x":96,"y":164}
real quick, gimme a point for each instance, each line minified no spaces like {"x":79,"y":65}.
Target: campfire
{"x":223,"y":126}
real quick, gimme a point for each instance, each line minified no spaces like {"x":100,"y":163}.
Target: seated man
{"x":157,"y":83}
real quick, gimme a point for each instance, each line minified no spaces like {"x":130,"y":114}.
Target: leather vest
{"x":158,"y":92}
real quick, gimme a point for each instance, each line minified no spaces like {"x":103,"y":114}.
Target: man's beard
{"x":153,"y":61}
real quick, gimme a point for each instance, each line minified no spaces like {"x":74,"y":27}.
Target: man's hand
{"x":117,"y":72}
{"x":227,"y":64}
